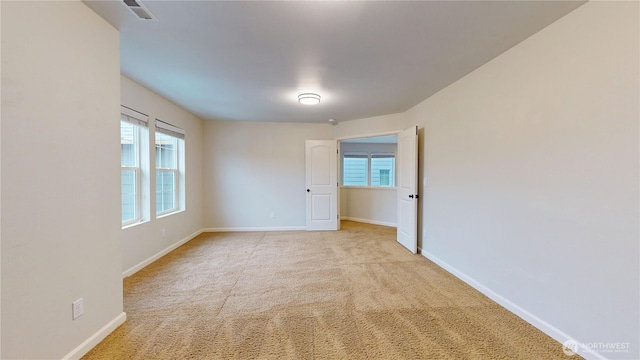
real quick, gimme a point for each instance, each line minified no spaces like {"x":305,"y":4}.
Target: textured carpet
{"x":352,"y":294}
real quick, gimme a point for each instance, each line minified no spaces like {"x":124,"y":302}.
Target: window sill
{"x":128,"y":226}
{"x":163,"y":215}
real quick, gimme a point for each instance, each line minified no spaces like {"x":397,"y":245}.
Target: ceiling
{"x":249,"y":60}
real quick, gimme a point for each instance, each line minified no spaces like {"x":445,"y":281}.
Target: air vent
{"x":139,"y":9}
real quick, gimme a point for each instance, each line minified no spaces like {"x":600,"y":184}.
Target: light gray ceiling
{"x":249,"y":60}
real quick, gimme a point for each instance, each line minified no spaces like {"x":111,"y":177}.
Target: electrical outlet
{"x":273,"y":215}
{"x":77,"y":308}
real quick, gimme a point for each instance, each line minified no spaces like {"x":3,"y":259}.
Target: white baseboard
{"x":367,"y":221}
{"x":242,"y":229}
{"x":95,"y":339}
{"x":557,"y":334}
{"x":134,"y":269}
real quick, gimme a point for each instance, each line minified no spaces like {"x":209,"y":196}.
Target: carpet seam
{"x":244,"y":268}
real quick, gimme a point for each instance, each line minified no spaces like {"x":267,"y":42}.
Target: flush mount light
{"x":309,"y":99}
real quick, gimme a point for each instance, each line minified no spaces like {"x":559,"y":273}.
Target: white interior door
{"x":322,"y":184}
{"x":407,"y":167}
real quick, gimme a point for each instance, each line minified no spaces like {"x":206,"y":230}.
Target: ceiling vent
{"x":139,"y":9}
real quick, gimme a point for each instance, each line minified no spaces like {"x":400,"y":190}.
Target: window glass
{"x":354,"y":171}
{"x":129,"y":144}
{"x":166,"y":151}
{"x":166,"y":173}
{"x":129,"y":194}
{"x":130,"y":170}
{"x":165,"y":191}
{"x":384,"y":177}
{"x":383,"y":170}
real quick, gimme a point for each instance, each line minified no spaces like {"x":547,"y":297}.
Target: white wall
{"x":252,"y":169}
{"x":143,"y":242}
{"x":60,"y":185}
{"x":531,"y":164}
{"x":374,"y":205}
{"x":369,"y":126}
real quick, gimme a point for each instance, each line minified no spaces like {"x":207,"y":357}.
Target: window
{"x":365,"y":169}
{"x":354,"y":170}
{"x":132,"y":125}
{"x":383,"y":168}
{"x":169,"y":171}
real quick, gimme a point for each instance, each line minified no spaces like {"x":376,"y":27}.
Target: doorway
{"x":379,"y":176}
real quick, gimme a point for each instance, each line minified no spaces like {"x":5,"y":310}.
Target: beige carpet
{"x":352,"y":294}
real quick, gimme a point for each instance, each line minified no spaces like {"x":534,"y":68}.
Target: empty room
{"x":320,"y":179}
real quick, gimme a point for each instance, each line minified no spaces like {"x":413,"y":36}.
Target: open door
{"x":407,"y":167}
{"x":322,"y":184}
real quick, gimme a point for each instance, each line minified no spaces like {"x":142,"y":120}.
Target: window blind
{"x":168,"y":129}
{"x":356,"y":156}
{"x":382,"y":156}
{"x":134,"y":117}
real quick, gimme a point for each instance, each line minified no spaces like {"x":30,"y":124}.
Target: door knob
{"x":308,"y":190}
{"x":411,"y":196}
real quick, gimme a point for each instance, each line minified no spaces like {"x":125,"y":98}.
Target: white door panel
{"x":322,"y":184}
{"x":321,"y":207}
{"x":407,"y":165}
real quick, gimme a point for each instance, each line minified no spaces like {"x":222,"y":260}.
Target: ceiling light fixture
{"x":309,"y":99}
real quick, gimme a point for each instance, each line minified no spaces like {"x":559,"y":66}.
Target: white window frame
{"x":178,"y":173}
{"x":368,"y":156}
{"x":140,"y":121}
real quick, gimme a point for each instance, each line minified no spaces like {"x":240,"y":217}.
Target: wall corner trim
{"x":555,"y":333}
{"x":96,"y":338}
{"x":134,"y":269}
